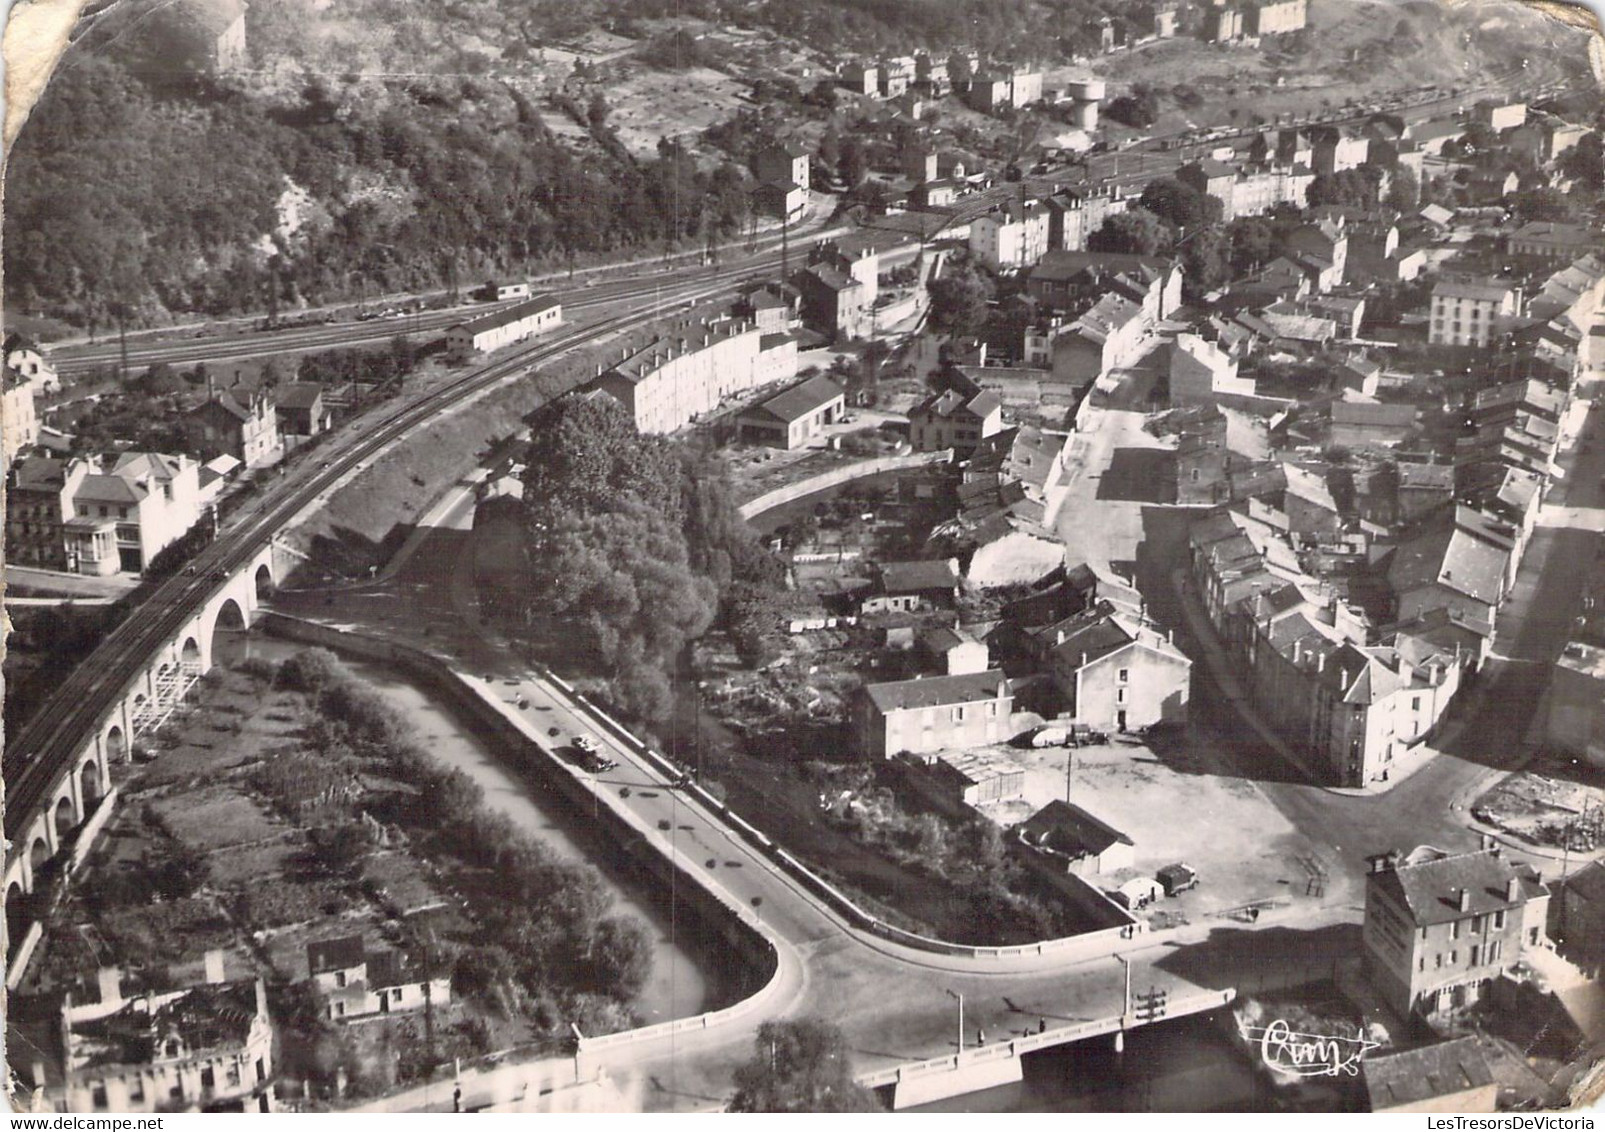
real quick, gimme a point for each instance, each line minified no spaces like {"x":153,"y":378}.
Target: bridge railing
{"x":1027,"y":1043}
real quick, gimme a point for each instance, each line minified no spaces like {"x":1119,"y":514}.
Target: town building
{"x":1075,"y":840}
{"x":1500,"y":116}
{"x":504,"y":327}
{"x":1074,"y":280}
{"x":1221,"y":24}
{"x":1201,"y":371}
{"x":226,"y":425}
{"x":1468,"y":312}
{"x":496,"y":292}
{"x":970,"y":778}
{"x":206,"y":1048}
{"x":1440,"y":928}
{"x":1369,"y":424}
{"x":1113,"y":672}
{"x":933,"y":714}
{"x":838,"y":288}
{"x":1575,"y":721}
{"x":1544,"y":137}
{"x":1577,"y":918}
{"x":99,"y":516}
{"x":793,"y":417}
{"x":959,"y":419}
{"x":1010,"y":237}
{"x":783,"y":162}
{"x":954,"y":652}
{"x":1074,"y":214}
{"x":1336,"y":148}
{"x":1445,"y":1077}
{"x":781,"y":200}
{"x":1548,"y":239}
{"x":674,"y":379}
{"x":918,"y":584}
{"x":301,"y":410}
{"x":24,"y":362}
{"x":930,"y":75}
{"x":1110,"y":335}
{"x":1275,"y":17}
{"x":1456,"y":562}
{"x":353,"y":982}
{"x":19,"y":421}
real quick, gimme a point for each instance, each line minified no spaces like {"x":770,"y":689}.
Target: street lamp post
{"x":1125,"y":1004}
{"x":956,"y":995}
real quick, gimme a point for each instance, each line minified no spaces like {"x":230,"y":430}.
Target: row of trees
{"x":634,"y":541}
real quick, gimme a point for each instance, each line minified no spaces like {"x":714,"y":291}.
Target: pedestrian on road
{"x":1042,"y":1025}
{"x":980,"y":1036}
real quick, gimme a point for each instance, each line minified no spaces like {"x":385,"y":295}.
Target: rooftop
{"x":1430,"y":885}
{"x":800,"y":400}
{"x":1395,"y":1079}
{"x":938,"y":691}
{"x":1064,"y":827}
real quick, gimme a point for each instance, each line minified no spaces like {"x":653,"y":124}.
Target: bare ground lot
{"x":1553,"y":803}
{"x":1176,"y":801}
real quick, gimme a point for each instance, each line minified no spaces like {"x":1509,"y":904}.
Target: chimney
{"x":1465,"y":899}
{"x":1513,"y":889}
{"x":110,"y":981}
{"x":211,"y":393}
{"x":1320,"y":662}
{"x":214,"y":967}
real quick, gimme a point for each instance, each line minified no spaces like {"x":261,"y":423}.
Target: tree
{"x":339,"y":850}
{"x":1133,"y":232}
{"x":1351,"y":187}
{"x":1181,"y":205}
{"x":1253,"y":243}
{"x":1539,"y":204}
{"x":959,"y":300}
{"x":1404,"y":193}
{"x":620,"y":957}
{"x":853,"y":162}
{"x":1206,"y":258}
{"x":800,"y":1066}
{"x":1585,"y":162}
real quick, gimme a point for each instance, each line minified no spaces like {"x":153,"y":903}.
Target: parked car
{"x":1177,"y":878}
{"x":585,"y":743}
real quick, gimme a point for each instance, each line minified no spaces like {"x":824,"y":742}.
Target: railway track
{"x":53,"y":737}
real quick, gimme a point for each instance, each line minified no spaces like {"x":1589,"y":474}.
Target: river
{"x":679,"y":986}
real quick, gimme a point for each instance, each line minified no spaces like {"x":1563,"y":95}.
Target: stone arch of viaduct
{"x":145,"y":702}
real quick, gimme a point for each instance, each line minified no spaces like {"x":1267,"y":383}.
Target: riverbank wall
{"x":740,"y":961}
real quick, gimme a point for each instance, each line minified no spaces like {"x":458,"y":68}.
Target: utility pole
{"x":785,"y":246}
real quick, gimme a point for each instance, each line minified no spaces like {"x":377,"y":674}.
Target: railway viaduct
{"x":63,"y":806}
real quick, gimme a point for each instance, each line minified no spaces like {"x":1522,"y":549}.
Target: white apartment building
{"x":672,"y":381}
{"x":1014,"y":236}
{"x":1468,"y":312}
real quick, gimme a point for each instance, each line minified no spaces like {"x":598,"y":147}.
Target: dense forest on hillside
{"x":131,"y":197}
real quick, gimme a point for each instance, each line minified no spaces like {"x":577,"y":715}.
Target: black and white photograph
{"x":804,"y":556}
